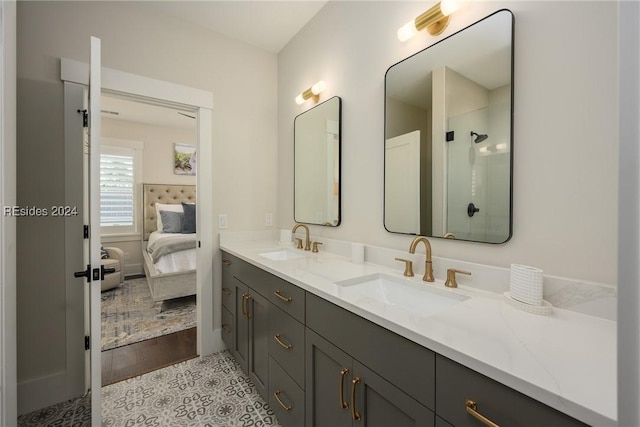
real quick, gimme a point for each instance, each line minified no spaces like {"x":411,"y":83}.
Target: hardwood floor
{"x":135,"y":359}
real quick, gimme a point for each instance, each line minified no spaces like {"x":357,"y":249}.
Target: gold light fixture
{"x":435,"y":20}
{"x":313,"y":92}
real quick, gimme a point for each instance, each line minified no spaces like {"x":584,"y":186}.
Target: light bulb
{"x":407,"y":31}
{"x":299,"y":99}
{"x":447,"y":7}
{"x":318,"y":87}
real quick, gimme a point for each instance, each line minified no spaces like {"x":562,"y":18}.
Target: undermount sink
{"x":281,"y":255}
{"x":391,"y":294}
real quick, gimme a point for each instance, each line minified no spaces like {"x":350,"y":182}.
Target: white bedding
{"x":177,"y":261}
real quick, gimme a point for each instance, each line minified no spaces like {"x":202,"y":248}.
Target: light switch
{"x":223,"y":221}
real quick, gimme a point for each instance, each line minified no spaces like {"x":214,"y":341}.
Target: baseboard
{"x":42,"y":392}
{"x":133,"y":269}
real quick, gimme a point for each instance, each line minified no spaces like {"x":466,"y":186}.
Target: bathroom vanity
{"x":323,"y":355}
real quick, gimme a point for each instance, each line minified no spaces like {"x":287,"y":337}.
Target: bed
{"x":169,"y":258}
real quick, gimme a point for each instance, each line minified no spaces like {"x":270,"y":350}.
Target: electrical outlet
{"x":268,"y":219}
{"x":223,"y":221}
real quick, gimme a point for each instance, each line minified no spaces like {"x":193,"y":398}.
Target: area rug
{"x":129,"y":314}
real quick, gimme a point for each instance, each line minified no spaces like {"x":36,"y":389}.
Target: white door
{"x":402,"y":183}
{"x":91,"y":218}
{"x":95,"y":87}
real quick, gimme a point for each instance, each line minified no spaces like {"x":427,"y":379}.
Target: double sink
{"x":385,"y":293}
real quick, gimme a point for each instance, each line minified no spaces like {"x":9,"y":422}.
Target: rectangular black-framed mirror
{"x":317,"y":164}
{"x":449,"y":136}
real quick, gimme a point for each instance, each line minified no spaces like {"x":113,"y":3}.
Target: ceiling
{"x":268,"y":25}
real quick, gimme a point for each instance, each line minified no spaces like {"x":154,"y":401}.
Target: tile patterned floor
{"x":211,"y":391}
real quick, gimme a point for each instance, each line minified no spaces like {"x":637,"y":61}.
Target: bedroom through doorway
{"x":148,"y":169}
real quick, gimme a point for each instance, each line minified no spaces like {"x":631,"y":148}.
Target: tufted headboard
{"x":166,"y":194}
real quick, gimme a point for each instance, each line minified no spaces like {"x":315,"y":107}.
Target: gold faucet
{"x":428,"y":267}
{"x":307,"y":242}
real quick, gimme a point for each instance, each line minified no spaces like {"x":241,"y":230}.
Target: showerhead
{"x":479,"y":137}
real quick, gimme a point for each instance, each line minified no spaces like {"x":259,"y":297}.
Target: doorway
{"x":75,"y":76}
{"x":140,"y":145}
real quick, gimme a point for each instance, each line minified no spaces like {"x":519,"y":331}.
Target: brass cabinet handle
{"x":226,"y":329}
{"x":354,"y":414}
{"x":226,"y":291}
{"x":283,"y":345}
{"x":343,"y":403}
{"x":283,"y":298}
{"x":472,"y":408}
{"x":245,"y":307}
{"x":276,"y":394}
{"x":226,"y":261}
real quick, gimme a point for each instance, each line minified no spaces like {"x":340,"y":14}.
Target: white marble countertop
{"x":566,"y":360}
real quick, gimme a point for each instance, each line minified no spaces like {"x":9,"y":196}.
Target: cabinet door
{"x":328,"y":383}
{"x":380,"y":403}
{"x":227,"y":328}
{"x":241,"y":331}
{"x":259,"y":341}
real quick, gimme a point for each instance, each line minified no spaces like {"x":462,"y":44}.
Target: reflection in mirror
{"x":448,"y":136}
{"x":317,"y":164}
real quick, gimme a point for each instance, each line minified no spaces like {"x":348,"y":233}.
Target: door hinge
{"x":86,"y":231}
{"x":87,"y":342}
{"x":85,"y":118}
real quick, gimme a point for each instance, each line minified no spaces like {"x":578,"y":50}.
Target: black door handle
{"x":471,"y":209}
{"x":107,"y":270}
{"x":86,"y":273}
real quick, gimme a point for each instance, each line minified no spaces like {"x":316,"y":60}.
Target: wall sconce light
{"x":435,"y":20}
{"x":312,"y":92}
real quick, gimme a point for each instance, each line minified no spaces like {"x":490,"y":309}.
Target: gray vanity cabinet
{"x":456,"y":384}
{"x":343,"y":392}
{"x":358,"y":373}
{"x":250,"y":328}
{"x":228,"y":301}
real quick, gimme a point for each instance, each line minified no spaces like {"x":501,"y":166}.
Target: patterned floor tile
{"x":210,"y":391}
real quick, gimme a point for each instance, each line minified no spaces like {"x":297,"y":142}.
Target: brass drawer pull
{"x":283,"y":345}
{"x":226,"y":291}
{"x":285,"y":407}
{"x":472,"y":408}
{"x":343,"y":403}
{"x":226,"y":329}
{"x":226,"y":262}
{"x":245,"y":306}
{"x":283,"y":298}
{"x":354,"y":414}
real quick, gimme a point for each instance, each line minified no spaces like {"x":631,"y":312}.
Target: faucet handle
{"x":451,"y":277}
{"x":315,"y":246}
{"x":408,"y":266}
{"x":299,"y":245}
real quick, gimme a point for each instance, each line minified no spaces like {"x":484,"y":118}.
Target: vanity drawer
{"x":407,"y":365}
{"x":502,"y":405}
{"x":227,"y":328}
{"x":285,"y":397}
{"x":229,"y":265}
{"x":288,"y":297}
{"x":259,"y":280}
{"x":286,"y":345}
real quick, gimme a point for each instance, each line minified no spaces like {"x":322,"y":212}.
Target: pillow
{"x":189,"y":220}
{"x":171,"y":221}
{"x":176,"y":207}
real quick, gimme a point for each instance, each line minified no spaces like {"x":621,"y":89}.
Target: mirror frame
{"x":510,"y":133}
{"x":339,"y":163}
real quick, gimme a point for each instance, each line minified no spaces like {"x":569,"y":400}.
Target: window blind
{"x":116,"y":190}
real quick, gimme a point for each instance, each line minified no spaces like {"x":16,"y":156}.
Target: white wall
{"x":242,"y":79}
{"x":565,"y":169}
